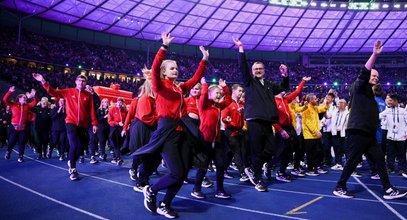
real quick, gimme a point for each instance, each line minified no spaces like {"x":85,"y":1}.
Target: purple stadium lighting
{"x":262,"y":25}
{"x":325,"y":83}
{"x":388,"y":83}
{"x":66,"y":64}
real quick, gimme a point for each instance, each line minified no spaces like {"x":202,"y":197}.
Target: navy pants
{"x":77,"y":142}
{"x":17,"y":137}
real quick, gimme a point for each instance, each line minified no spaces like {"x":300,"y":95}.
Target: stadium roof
{"x":273,"y":25}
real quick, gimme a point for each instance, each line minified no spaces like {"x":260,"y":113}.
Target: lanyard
{"x":394,"y":115}
{"x":340,"y":118}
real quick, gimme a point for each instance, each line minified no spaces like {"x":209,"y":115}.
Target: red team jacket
{"x":116,"y":116}
{"x":210,"y":114}
{"x":192,"y":104}
{"x":20,"y":113}
{"x":79,"y":105}
{"x":235,"y":111}
{"x":142,"y":108}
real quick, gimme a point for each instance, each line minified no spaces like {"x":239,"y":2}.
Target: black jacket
{"x":58,"y":119}
{"x":364,"y":112}
{"x":43,"y":120}
{"x":259,"y":100}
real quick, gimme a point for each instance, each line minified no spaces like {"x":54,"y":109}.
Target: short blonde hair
{"x":164,"y":65}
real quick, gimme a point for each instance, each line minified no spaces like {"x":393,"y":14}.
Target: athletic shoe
{"x":163,"y":165}
{"x":266,"y":171}
{"x":312,"y":173}
{"x":249,"y":172}
{"x":391,"y":171}
{"x":69,"y":164}
{"x":394,"y":193}
{"x":261,"y":186}
{"x":198,"y":194}
{"x":283,"y":177}
{"x":375,"y":177}
{"x":187,"y":181}
{"x":133,"y":174}
{"x":7,"y":156}
{"x":227,"y":175}
{"x":20,"y":159}
{"x":321,"y":170}
{"x":73,"y":174}
{"x":119,"y":162}
{"x":360,"y":165}
{"x":290,"y":166}
{"x":61,"y":158}
{"x":39,"y":157}
{"x":81,"y":159}
{"x":206,"y":182}
{"x":243,"y":177}
{"x":166,"y":211}
{"x":297,"y":172}
{"x":233,"y":166}
{"x":343,"y":193}
{"x":337,"y":167}
{"x":404,"y":175}
{"x":114,"y":160}
{"x":149,"y":199}
{"x":138,"y":187}
{"x":356,"y":174}
{"x":221,"y":194}
{"x":93,"y":160}
{"x":102,"y":157}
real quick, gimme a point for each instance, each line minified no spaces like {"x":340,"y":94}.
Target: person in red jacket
{"x":210,"y":106}
{"x":79,"y":107}
{"x":117,"y":115}
{"x":168,"y":138}
{"x":232,"y":117}
{"x":286,"y":136}
{"x":19,"y":118}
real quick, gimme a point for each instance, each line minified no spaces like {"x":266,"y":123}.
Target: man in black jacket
{"x":260,"y":113}
{"x":361,"y":130}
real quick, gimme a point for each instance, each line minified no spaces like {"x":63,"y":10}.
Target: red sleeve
{"x":195,"y":78}
{"x":5,"y":99}
{"x":130,"y":114}
{"x":110,"y":118}
{"x":33,"y":103}
{"x":53,"y":92}
{"x":225,"y":113}
{"x":278,"y":127}
{"x":155,"y":70}
{"x":294,"y":94}
{"x":203,"y":99}
{"x":227,"y":100}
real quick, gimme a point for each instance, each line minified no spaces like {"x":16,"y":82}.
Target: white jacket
{"x":339,"y":120}
{"x":396,"y":121}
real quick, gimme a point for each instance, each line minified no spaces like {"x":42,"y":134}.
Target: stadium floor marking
{"x":53,"y":200}
{"x":400,"y":216}
{"x":295,"y":210}
{"x":180,"y":197}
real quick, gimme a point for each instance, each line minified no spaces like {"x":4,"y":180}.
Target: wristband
{"x":165,"y":46}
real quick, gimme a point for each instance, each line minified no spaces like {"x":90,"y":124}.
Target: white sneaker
{"x":337,"y":167}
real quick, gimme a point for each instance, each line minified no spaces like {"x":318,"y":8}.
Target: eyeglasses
{"x":258,"y":68}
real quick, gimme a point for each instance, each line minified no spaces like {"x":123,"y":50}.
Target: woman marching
{"x":168,"y":138}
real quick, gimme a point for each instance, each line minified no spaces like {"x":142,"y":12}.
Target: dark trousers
{"x":360,"y":143}
{"x":116,"y":140}
{"x":262,"y":146}
{"x":339,"y":148}
{"x":177,"y":157}
{"x":396,"y":149}
{"x":103,"y":136}
{"x":313,"y":148}
{"x":216,"y":152}
{"x":77,"y":142}
{"x":384,"y":141}
{"x":149,"y":164}
{"x":4,"y":133}
{"x":327,"y":143}
{"x":239,"y":149}
{"x":93,"y":141}
{"x":59,"y":141}
{"x":17,"y":137}
{"x":285,"y":148}
{"x":43,"y":141}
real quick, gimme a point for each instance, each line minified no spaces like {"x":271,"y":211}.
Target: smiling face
{"x":169,"y":69}
{"x":237,"y":93}
{"x":258,"y":70}
{"x":104,"y":103}
{"x":22,"y":99}
{"x":80,"y":83}
{"x":374,"y":77}
{"x":215,"y":94}
{"x":196,"y":90}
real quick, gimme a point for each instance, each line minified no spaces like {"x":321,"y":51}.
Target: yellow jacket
{"x":310,"y":120}
{"x":294,"y":109}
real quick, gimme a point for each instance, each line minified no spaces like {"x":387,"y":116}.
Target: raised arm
{"x":364,"y":76}
{"x":7,"y":95}
{"x":51,"y":91}
{"x":158,"y":59}
{"x":187,"y":86}
{"x":244,"y":67}
{"x":294,"y":94}
{"x":228,"y":98}
{"x":203,"y":98}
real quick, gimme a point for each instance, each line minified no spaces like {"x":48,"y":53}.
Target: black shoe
{"x":93,"y":160}
{"x":133,"y":174}
{"x":394,"y":193}
{"x":81,"y":159}
{"x":102,"y":157}
{"x":221,"y":194}
{"x":261,"y":186}
{"x":283,"y":177}
{"x":166,"y":211}
{"x":343,"y":193}
{"x":20,"y":159}
{"x":198,"y":194}
{"x":243,"y":177}
{"x":207,"y":183}
{"x":139,"y":187}
{"x":249,"y":172}
{"x":391,"y":171}
{"x":119,"y":162}
{"x":149,"y":199}
{"x":227,"y":175}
